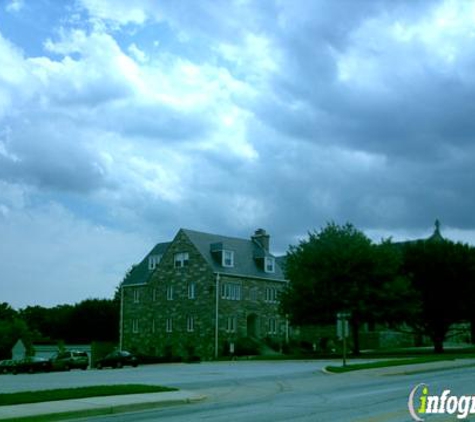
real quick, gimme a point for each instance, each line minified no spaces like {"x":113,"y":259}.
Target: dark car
{"x":117,"y":359}
{"x":6,"y":366}
{"x":69,"y":359}
{"x":31,"y":364}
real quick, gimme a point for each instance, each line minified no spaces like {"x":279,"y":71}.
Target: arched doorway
{"x":252,"y":329}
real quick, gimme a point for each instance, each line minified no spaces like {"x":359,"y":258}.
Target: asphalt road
{"x":266,"y":391}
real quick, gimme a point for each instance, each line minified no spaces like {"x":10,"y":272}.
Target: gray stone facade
{"x":169,"y":309}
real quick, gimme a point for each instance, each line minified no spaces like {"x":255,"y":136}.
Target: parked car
{"x":6,"y":366}
{"x":31,"y":364}
{"x":69,"y":359}
{"x":117,"y":359}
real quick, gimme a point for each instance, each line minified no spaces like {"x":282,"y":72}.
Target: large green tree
{"x":340,"y":269}
{"x":443,"y":273}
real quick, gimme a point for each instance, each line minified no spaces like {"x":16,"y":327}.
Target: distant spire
{"x":436,"y":235}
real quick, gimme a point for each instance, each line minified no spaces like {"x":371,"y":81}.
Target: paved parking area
{"x":180,"y":375}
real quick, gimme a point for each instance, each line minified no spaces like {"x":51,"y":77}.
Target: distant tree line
{"x":426,"y":285}
{"x":82,"y":323}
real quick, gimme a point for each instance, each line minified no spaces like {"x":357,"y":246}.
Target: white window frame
{"x":153,"y":261}
{"x":169,"y":325}
{"x":231,"y":323}
{"x":190,"y":323}
{"x":227,"y":258}
{"x":272,"y":326}
{"x":192,"y":290}
{"x":181,"y":259}
{"x":136,"y":295}
{"x":269,"y":264}
{"x":231,"y":291}
{"x":271,"y":295}
{"x":135,"y":326}
{"x":169,"y":292}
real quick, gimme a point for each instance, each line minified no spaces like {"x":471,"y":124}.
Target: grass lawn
{"x":387,"y":363}
{"x":78,"y":393}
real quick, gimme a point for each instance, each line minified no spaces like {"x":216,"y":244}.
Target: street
{"x":265,"y":391}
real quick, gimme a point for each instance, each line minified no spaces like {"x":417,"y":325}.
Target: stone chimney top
{"x":260,"y":236}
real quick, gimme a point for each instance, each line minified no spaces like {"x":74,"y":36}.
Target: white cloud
{"x":15,"y":6}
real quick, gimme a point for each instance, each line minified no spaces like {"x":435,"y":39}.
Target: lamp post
{"x":342,"y":330}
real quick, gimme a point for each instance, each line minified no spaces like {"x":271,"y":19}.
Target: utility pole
{"x":216,"y":324}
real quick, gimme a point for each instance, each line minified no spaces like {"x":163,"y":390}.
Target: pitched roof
{"x":245,"y":253}
{"x":141,"y":273}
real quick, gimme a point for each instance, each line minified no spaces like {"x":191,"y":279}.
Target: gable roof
{"x":141,"y":273}
{"x":245,"y":253}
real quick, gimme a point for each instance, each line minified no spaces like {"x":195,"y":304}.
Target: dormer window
{"x":153,"y":261}
{"x":269,"y":264}
{"x":228,"y":258}
{"x":182,"y":259}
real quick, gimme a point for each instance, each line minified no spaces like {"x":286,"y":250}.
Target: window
{"x":228,"y":258}
{"x":271,"y":295}
{"x":191,"y":290}
{"x":153,"y":261}
{"x":190,"y":324}
{"x":231,"y":291}
{"x":182,"y":259}
{"x":136,"y":295}
{"x":231,"y":324}
{"x":135,"y":326}
{"x":272,"y":326}
{"x":169,"y":325}
{"x":269,"y":264}
{"x":169,"y":292}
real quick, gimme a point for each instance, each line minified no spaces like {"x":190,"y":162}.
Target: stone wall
{"x":252,"y":311}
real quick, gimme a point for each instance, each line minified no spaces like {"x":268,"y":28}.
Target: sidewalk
{"x":94,"y":406}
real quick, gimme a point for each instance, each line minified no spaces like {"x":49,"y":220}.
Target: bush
{"x":246,"y":346}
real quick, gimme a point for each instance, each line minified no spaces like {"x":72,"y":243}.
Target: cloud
{"x":225,"y":116}
{"x":52,"y":257}
{"x":15,"y":6}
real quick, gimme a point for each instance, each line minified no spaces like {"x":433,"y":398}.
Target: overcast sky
{"x":122,"y":121}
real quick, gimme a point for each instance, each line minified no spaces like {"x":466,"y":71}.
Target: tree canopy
{"x":443,"y":272}
{"x":340,"y":269}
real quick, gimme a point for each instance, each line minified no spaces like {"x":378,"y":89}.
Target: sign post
{"x":342,"y":330}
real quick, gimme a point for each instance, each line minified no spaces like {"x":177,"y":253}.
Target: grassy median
{"x":387,"y":363}
{"x":24,"y":397}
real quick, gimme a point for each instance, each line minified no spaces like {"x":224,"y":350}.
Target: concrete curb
{"x":95,"y":406}
{"x":413,"y":369}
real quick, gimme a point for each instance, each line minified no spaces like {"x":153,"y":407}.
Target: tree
{"x":11,"y":330}
{"x":443,"y":273}
{"x":340,"y":269}
{"x":95,"y":320}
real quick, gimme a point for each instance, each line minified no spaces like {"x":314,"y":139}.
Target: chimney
{"x":260,"y":236}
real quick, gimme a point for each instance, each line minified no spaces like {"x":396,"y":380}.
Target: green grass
{"x":78,"y":393}
{"x":387,"y":363}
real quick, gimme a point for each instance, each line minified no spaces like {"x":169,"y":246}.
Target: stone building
{"x":200,"y":293}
